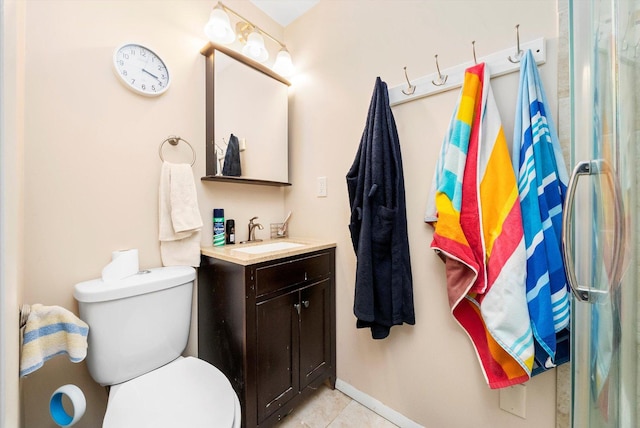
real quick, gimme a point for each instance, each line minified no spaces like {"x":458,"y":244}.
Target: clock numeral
{"x":143,"y":86}
{"x":153,"y":88}
{"x":143,"y":53}
{"x":126,"y":56}
{"x":121,"y":62}
{"x":124,"y":72}
{"x":133,"y":81}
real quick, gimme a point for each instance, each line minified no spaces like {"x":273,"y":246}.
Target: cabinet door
{"x":315,"y":329}
{"x":277,"y":352}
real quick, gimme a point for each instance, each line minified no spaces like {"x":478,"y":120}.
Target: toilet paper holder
{"x":25,"y":310}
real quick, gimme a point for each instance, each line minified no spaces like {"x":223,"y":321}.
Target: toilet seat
{"x":187,"y":392}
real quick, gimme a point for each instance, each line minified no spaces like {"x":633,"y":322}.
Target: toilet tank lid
{"x":146,"y":281}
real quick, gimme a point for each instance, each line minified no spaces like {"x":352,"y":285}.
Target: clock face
{"x":141,"y":70}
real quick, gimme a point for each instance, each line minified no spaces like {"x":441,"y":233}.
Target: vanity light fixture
{"x":218,"y":29}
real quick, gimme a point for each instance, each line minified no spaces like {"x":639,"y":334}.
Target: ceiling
{"x":284,"y":12}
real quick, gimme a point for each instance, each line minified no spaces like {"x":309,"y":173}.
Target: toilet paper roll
{"x":57,"y":411}
{"x":123,"y":264}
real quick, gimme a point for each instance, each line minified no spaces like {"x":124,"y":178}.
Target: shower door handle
{"x":593,"y":167}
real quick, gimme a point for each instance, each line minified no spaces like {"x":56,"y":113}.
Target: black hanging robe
{"x":384,"y":291}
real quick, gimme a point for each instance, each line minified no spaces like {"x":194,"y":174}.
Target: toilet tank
{"x":136,"y":324}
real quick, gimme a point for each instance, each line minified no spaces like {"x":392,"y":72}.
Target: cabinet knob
{"x":305,"y":303}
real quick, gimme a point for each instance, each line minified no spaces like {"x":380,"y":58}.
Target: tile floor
{"x":329,"y":408}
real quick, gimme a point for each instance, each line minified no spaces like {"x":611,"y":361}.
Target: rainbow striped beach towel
{"x":478,"y":233}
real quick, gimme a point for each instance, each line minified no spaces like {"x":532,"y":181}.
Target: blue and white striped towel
{"x":51,"y":331}
{"x":542,"y":183}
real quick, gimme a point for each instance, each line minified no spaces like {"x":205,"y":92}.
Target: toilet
{"x":138,"y":329}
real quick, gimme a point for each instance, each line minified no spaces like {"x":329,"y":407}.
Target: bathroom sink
{"x":267,"y":248}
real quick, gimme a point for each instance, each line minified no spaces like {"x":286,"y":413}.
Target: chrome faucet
{"x":252,"y":230}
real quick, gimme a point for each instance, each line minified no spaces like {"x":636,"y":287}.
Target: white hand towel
{"x":185,"y":214}
{"x":183,"y":252}
{"x":180,"y":220}
{"x":51,"y":331}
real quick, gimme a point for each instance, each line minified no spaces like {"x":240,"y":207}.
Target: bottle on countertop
{"x":218,"y":227}
{"x":231,"y":231}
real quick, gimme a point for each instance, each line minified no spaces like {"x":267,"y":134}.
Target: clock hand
{"x":150,"y":74}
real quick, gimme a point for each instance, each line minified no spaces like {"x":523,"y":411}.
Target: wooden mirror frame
{"x":209,"y":52}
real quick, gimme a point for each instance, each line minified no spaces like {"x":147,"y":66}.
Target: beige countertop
{"x":235,"y":253}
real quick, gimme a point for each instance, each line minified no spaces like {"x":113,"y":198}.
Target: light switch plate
{"x":513,"y":399}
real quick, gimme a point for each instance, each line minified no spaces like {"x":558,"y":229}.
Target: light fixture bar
{"x":227,"y":9}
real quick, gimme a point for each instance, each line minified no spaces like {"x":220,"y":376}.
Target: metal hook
{"x":519,"y":52}
{"x":411,"y":88}
{"x":442,"y":79}
{"x":473,"y":44}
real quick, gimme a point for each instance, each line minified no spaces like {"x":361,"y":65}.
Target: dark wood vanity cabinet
{"x":270,"y":328}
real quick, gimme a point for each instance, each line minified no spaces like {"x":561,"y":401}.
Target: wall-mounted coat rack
{"x":499,"y":64}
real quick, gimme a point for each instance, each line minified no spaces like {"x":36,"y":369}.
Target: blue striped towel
{"x":542,"y":183}
{"x":51,"y":331}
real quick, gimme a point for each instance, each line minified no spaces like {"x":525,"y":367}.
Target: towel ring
{"x":173,"y":140}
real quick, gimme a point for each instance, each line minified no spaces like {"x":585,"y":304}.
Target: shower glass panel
{"x":602,"y":230}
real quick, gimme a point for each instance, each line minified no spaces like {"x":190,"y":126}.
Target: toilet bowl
{"x":185,"y":393}
{"x":138,"y":328}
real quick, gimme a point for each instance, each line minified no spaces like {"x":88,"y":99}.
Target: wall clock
{"x":141,"y":70}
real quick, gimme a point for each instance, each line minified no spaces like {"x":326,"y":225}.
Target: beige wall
{"x":11,"y":163}
{"x":91,"y":154}
{"x":427,"y":372}
{"x":91,"y":169}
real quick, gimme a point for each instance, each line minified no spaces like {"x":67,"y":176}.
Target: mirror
{"x":249,"y":101}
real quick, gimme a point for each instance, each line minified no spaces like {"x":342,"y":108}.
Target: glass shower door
{"x":601,"y":212}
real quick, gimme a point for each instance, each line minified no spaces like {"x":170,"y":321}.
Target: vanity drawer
{"x":273,"y":277}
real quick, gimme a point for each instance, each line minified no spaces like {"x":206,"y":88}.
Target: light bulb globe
{"x":218,"y":28}
{"x":283,"y":65}
{"x":255,"y":48}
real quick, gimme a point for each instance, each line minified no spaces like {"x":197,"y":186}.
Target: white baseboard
{"x":376,"y":406}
